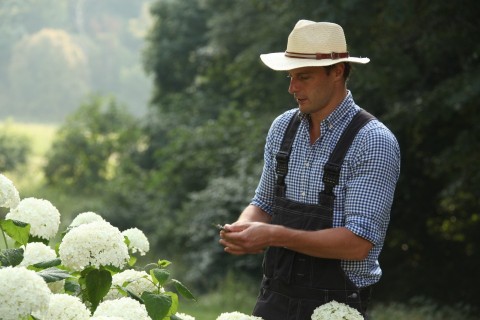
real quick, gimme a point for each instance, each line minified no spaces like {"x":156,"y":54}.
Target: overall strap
{"x":283,"y":154}
{"x":331,"y":170}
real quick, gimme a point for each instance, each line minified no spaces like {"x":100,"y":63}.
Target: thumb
{"x":235,"y":227}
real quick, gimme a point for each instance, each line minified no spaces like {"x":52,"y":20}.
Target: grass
{"x":232,"y":295}
{"x":236,"y":297}
{"x":30,"y":177}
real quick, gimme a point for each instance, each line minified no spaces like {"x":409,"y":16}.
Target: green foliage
{"x":54,"y":52}
{"x":17,"y":230}
{"x":53,"y":274}
{"x":89,"y":146}
{"x":47,"y":74}
{"x":97,"y":284}
{"x":422,"y":82}
{"x":11,"y":257}
{"x":14,"y":150}
{"x":234,"y":292}
{"x":220,"y":202}
{"x":91,"y":284}
{"x":201,"y":147}
{"x":420,"y":308}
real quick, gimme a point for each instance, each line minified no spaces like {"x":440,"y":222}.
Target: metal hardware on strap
{"x":331,"y":176}
{"x":282,"y":162}
{"x":331,"y":170}
{"x":331,"y":173}
{"x":283,"y":155}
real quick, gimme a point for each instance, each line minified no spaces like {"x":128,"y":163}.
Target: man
{"x":319,"y":215}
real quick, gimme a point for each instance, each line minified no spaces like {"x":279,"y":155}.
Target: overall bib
{"x":294,"y":284}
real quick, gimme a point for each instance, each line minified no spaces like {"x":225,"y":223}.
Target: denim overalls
{"x":294,"y":284}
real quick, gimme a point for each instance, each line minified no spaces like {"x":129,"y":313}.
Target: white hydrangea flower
{"x":85,"y":217}
{"x":334,"y":310}
{"x":184,"y":316}
{"x":138,"y":282}
{"x":235,"y":315}
{"x":126,"y":308}
{"x":138,"y":241}
{"x":9,"y":197}
{"x":43,"y":217}
{"x":106,"y":318}
{"x":64,"y":306}
{"x":22,"y":292}
{"x":35,"y":252}
{"x":94,"y":244}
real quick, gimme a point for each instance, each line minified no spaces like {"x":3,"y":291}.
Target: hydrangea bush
{"x":334,"y":310}
{"x":93,"y":267}
{"x":22,"y":292}
{"x":92,"y":274}
{"x":9,"y":196}
{"x":235,"y":315}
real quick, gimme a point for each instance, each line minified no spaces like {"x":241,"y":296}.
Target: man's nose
{"x":292,"y":88}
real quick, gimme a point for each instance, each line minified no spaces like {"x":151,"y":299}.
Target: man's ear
{"x":339,"y":70}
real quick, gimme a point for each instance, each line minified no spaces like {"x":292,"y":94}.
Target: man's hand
{"x":245,"y":237}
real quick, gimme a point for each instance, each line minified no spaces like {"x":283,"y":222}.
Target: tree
{"x":48,"y":74}
{"x":422,"y":82}
{"x":90,"y":145}
{"x":14,"y":150}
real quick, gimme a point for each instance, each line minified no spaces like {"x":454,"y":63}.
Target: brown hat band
{"x":317,"y":56}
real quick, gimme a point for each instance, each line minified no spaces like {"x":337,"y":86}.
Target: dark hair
{"x":346,"y":71}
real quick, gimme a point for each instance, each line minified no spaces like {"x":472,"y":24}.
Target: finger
{"x":242,"y":251}
{"x":234,"y":252}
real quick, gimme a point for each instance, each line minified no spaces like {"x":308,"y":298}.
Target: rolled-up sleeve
{"x":370,"y":187}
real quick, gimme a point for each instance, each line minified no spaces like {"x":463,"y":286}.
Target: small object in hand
{"x":220,"y":227}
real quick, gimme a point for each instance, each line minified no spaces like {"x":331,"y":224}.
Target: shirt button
{"x":303,"y":194}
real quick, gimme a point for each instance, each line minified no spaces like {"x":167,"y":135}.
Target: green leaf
{"x":11,"y":257}
{"x":112,"y":269}
{"x":17,"y":230}
{"x":97,"y":282}
{"x":160,"y":275}
{"x":126,"y":240}
{"x":53,"y":274}
{"x":174,"y":306}
{"x":32,"y":238}
{"x":120,"y":290}
{"x":157,"y":305}
{"x":184,"y":292}
{"x":48,"y":264}
{"x":150,"y":267}
{"x":132,"y":261}
{"x":71,"y":286}
{"x":163,"y":263}
{"x":134,"y":296}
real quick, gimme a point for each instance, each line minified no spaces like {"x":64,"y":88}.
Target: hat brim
{"x":278,"y":61}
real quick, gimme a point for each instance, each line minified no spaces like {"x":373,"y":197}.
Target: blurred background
{"x":154,"y":114}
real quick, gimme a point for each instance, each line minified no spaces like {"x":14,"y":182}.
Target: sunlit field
{"x":40,"y":136}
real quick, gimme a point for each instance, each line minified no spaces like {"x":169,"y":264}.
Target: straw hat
{"x":312,"y":44}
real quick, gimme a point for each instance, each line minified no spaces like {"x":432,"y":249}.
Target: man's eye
{"x":299,"y":77}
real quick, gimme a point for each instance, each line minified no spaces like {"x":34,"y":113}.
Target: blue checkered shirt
{"x":365,"y":191}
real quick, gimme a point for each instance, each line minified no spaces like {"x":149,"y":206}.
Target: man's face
{"x":312,"y":88}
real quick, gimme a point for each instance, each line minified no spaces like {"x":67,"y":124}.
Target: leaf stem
{"x":4,"y":238}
